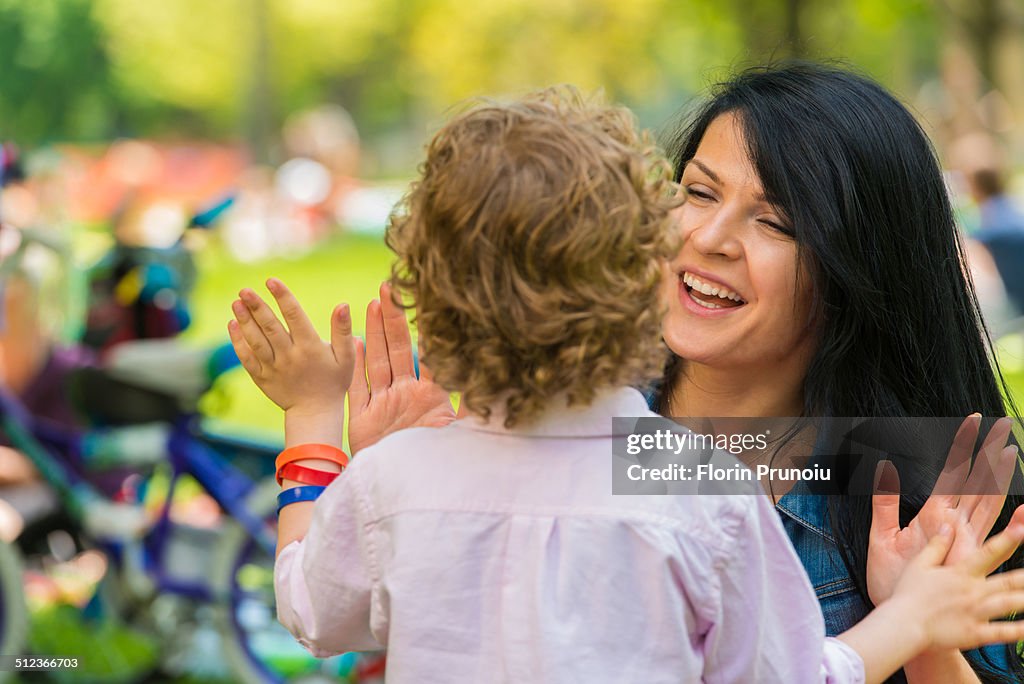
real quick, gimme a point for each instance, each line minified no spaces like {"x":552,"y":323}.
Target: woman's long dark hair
{"x":900,"y":327}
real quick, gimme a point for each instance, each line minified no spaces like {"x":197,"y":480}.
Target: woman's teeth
{"x":711,"y":290}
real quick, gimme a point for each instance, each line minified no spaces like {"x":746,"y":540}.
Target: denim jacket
{"x":805,"y":518}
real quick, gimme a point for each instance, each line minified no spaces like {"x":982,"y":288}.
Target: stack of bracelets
{"x":314,"y":481}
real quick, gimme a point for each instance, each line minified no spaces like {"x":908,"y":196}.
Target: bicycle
{"x":149,"y":406}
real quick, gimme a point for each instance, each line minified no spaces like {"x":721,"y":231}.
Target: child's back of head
{"x":531,"y":248}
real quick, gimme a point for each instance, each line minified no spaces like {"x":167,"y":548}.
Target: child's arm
{"x":770,"y":626}
{"x":324,"y":584}
{"x":943,"y":607}
{"x":299,"y":372}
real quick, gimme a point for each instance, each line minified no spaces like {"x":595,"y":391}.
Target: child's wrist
{"x":906,"y":620}
{"x":320,"y":425}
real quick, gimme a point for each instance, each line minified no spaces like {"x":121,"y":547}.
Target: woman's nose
{"x":713,"y":233}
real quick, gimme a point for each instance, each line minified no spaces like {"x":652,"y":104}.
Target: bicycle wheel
{"x":13,"y":611}
{"x":257,"y":647}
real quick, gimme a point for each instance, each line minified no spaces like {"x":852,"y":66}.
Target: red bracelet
{"x":310,"y":476}
{"x":310,"y":452}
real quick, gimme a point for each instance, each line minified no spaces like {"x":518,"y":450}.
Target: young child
{"x":492,"y":549}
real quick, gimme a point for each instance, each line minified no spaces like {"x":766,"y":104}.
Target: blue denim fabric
{"x":805,"y":518}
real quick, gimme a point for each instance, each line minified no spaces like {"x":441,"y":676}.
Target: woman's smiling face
{"x":739,"y":299}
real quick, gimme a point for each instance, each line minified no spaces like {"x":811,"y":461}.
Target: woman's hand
{"x":386,"y":395}
{"x":976,"y":495}
{"x":298,"y":371}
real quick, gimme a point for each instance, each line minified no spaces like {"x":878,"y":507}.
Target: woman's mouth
{"x":709,"y":294}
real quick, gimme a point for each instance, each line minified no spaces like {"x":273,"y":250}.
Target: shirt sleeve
{"x":769,"y":626}
{"x":324,"y":583}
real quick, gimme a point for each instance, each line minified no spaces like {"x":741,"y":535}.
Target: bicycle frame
{"x":189,"y":452}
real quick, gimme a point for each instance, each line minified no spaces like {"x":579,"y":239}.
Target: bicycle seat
{"x":149,"y":380}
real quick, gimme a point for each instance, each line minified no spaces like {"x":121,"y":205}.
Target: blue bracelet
{"x":297,"y":494}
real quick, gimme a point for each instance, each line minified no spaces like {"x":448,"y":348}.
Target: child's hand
{"x":297,"y":370}
{"x":952,"y":606}
{"x":386,"y":395}
{"x":972,"y":493}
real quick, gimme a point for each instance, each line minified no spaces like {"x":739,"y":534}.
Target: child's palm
{"x":292,"y":365}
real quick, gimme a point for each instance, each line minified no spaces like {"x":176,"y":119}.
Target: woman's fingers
{"x":984,"y":481}
{"x":958,"y":461}
{"x":885,"y":504}
{"x":299,"y":325}
{"x":986,"y":507}
{"x":378,"y":366}
{"x":245,"y":355}
{"x":358,"y":391}
{"x":272,"y":329}
{"x":252,"y":333}
{"x":396,"y":331}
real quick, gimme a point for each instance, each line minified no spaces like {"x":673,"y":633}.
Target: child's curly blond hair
{"x":532,"y":250}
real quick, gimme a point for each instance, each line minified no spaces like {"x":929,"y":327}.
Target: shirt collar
{"x":560,"y":420}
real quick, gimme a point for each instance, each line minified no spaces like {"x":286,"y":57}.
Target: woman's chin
{"x":699,"y":351}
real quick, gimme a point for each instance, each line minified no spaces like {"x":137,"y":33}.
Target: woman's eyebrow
{"x":703,"y":167}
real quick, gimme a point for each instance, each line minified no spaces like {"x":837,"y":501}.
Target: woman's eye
{"x":778,"y":226}
{"x":697,"y":192}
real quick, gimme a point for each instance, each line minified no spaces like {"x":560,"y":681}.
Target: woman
{"x":821,"y":275}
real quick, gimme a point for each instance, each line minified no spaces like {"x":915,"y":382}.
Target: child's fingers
{"x":341,"y":334}
{"x":396,"y":331}
{"x":248,"y":360}
{"x":999,"y":547}
{"x":937,"y":548}
{"x":1000,"y":633}
{"x":1005,"y":595}
{"x":378,"y":367}
{"x":358,"y":391}
{"x":299,"y":325}
{"x":885,"y":507}
{"x":252,"y":333}
{"x":1007,"y":598}
{"x":275,"y":333}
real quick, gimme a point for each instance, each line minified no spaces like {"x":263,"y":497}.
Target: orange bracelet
{"x":309,"y":452}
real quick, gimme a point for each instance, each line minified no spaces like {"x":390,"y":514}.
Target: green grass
{"x":349,"y":269}
{"x":1010,"y":351}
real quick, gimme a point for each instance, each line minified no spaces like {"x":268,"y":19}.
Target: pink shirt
{"x":479,"y":554}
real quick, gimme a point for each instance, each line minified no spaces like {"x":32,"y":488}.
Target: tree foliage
{"x":85,"y":70}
